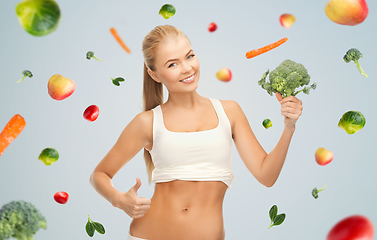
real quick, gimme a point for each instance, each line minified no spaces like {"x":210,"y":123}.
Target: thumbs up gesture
{"x":131,"y":204}
{"x":291,"y":109}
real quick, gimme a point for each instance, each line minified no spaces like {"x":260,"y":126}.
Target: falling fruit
{"x":286,"y":20}
{"x":224,"y":75}
{"x":91,"y":113}
{"x":323,"y":156}
{"x":212,"y":27}
{"x":59,"y":87}
{"x":347,"y":12}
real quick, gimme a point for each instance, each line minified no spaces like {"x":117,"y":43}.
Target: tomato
{"x":91,"y":113}
{"x":355,"y":227}
{"x":61,"y":197}
{"x":212,"y":27}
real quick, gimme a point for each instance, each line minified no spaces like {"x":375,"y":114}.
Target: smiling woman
{"x":187,"y":144}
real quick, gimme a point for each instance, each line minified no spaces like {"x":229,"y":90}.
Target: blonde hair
{"x":152,"y":90}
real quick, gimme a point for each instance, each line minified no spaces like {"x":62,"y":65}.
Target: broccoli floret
{"x":20,"y":220}
{"x":354,"y":54}
{"x":285,"y":78}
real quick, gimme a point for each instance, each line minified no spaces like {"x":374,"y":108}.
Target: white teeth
{"x":188,"y":79}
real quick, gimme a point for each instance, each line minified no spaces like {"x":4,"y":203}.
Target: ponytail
{"x":152,"y":97}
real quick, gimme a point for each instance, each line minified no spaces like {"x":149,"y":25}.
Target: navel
{"x":184,"y":210}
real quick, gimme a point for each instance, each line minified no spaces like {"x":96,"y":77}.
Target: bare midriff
{"x":183,"y":210}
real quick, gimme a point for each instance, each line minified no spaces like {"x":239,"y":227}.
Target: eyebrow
{"x":177,"y":59}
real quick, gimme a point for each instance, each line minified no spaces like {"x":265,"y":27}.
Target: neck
{"x":184,"y":100}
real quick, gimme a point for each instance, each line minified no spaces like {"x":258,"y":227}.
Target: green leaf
{"x":119,"y":79}
{"x":279,"y":219}
{"x":116,"y":83}
{"x":99,"y":227}
{"x":273,"y":212}
{"x":89,"y":228}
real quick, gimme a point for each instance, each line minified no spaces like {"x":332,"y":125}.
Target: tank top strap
{"x":223,"y":118}
{"x":157,"y":121}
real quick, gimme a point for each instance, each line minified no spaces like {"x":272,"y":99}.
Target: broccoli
{"x":354,"y":54}
{"x":285,"y":78}
{"x":20,"y":220}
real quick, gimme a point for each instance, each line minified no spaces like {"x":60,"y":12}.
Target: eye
{"x":171,"y":65}
{"x":192,"y":55}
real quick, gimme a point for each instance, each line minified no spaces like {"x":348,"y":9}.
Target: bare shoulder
{"x":145,"y":122}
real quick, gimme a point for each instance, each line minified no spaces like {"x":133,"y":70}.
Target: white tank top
{"x":192,"y":156}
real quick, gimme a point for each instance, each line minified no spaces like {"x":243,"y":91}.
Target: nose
{"x":186,"y":67}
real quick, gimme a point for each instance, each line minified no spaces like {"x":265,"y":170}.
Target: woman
{"x":189,"y":139}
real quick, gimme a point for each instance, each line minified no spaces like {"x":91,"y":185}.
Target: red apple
{"x":59,"y":87}
{"x":286,"y":20}
{"x":212,"y":27}
{"x":355,"y":227}
{"x":91,"y":113}
{"x":224,"y":75}
{"x":347,"y":12}
{"x":323,"y":156}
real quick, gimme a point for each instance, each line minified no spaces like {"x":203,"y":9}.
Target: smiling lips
{"x":189,"y":79}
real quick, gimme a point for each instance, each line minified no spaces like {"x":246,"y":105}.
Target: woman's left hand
{"x":291,"y":109}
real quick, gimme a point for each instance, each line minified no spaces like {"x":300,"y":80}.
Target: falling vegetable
{"x":20,"y":220}
{"x":117,"y":80}
{"x":352,"y":122}
{"x":26,"y":73}
{"x":91,"y":226}
{"x":315,"y":191}
{"x":354,"y":54}
{"x":256,"y":52}
{"x":120,"y":41}
{"x":48,"y":156}
{"x":61,"y":197}
{"x":212,"y":27}
{"x":90,"y":55}
{"x":167,"y":11}
{"x":276,"y":219}
{"x":267,"y":123}
{"x":285,"y":78}
{"x":38,"y":17}
{"x":356,"y":227}
{"x":91,"y":113}
{"x":11,"y":130}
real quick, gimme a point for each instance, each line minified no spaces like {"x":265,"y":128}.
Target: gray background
{"x":313,"y":40}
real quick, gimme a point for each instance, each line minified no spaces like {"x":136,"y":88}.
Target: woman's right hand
{"x":130,"y":203}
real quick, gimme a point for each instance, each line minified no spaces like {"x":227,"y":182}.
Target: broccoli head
{"x":285,"y":78}
{"x":354,"y":54}
{"x":20,"y":220}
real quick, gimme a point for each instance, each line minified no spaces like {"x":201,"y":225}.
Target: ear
{"x":153,"y":75}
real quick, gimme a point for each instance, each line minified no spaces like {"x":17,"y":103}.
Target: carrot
{"x":256,"y":52}
{"x":13,"y":128}
{"x":116,"y":36}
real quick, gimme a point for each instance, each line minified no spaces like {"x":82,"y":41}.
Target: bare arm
{"x":133,"y":138}
{"x":265,"y":167}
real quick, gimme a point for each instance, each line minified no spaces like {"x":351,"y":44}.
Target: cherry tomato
{"x":61,"y":197}
{"x":352,"y":228}
{"x":91,"y":113}
{"x":212,"y":27}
